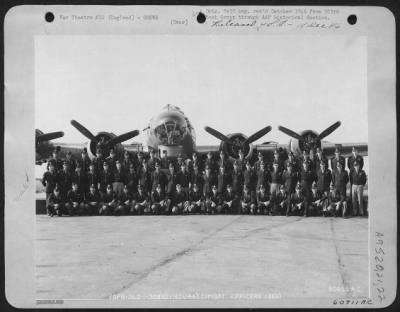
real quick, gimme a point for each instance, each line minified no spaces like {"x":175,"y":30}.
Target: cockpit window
{"x":170,"y":132}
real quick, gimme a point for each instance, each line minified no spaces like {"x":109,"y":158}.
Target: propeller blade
{"x":49,"y":136}
{"x":83,"y":130}
{"x":123,"y":137}
{"x":290,"y":133}
{"x":257,"y":135}
{"x":217,"y":134}
{"x":328,"y":130}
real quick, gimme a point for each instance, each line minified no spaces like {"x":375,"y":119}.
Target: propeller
{"x":310,"y":139}
{"x":113,"y":141}
{"x":237,"y":141}
{"x":49,"y":136}
{"x":328,"y":130}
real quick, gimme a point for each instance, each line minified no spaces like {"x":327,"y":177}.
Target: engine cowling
{"x":101,"y":138}
{"x":237,"y":142}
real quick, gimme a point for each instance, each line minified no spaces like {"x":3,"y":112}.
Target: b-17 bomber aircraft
{"x":171,"y":131}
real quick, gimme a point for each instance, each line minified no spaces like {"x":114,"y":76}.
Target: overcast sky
{"x":233,"y":83}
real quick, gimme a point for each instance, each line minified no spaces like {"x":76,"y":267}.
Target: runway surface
{"x":290,"y":257}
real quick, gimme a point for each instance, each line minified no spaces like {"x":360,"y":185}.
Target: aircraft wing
{"x":204,"y":149}
{"x":345,"y":148}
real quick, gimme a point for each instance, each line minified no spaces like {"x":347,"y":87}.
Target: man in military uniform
{"x":353,"y":159}
{"x":145,"y":178}
{"x":119,"y":178}
{"x":208,"y":181}
{"x":290,"y":179}
{"x":138,"y":162}
{"x":105,"y":178}
{"x":109,"y":202}
{"x":70,"y":161}
{"x":335,"y":203}
{"x":179,"y":162}
{"x":126,"y":162}
{"x":320,"y":159}
{"x":80,"y":178}
{"x":92,"y":176}
{"x":307,"y":177}
{"x":151,"y":162}
{"x":224,"y":162}
{"x":124,"y":201}
{"x":75,"y":203}
{"x":230,"y":202}
{"x":237,"y":179}
{"x":56,"y":203}
{"x":180,"y":200}
{"x":358,"y":179}
{"x":340,"y":178}
{"x":171,"y":180}
{"x":213,"y":201}
{"x":85,"y":160}
{"x":56,"y":160}
{"x":241,"y":161}
{"x":314,"y":206}
{"x":277,"y":159}
{"x":223,"y":179}
{"x":141,"y":202}
{"x":112,"y":160}
{"x":98,"y":161}
{"x":297,"y":203}
{"x":196,"y":177}
{"x":157,"y":177}
{"x":324,"y":178}
{"x":247,"y":201}
{"x":132,"y":179}
{"x":195,"y":199}
{"x":248,"y":177}
{"x":211,"y":163}
{"x":291,"y":160}
{"x":276,"y":179}
{"x":263,"y":177}
{"x":164,"y":160}
{"x":336,"y":159}
{"x":281,"y":201}
{"x":92,"y":200}
{"x":65,"y":179}
{"x":49,"y":181}
{"x":263,"y":201}
{"x":183,"y":178}
{"x":195,"y":162}
{"x":258,"y":162}
{"x":160,"y":203}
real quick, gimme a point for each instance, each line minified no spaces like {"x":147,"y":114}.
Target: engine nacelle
{"x":232,"y":149}
{"x":310,"y":141}
{"x":101,"y":138}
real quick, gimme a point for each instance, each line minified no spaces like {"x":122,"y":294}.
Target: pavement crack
{"x":343,"y":275}
{"x":171,"y":258}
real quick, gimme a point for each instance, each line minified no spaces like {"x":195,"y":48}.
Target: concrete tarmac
{"x":293,"y":257}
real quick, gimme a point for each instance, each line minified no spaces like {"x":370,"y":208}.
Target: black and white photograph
{"x":223,"y":166}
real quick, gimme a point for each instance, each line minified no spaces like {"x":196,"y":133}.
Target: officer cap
{"x":108,"y":186}
{"x":178,"y":185}
{"x":314,"y":186}
{"x":354,"y":149}
{"x":337,"y":150}
{"x":356,"y":163}
{"x":259,"y":154}
{"x":318,"y":150}
{"x":209,"y":153}
{"x":105,"y":163}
